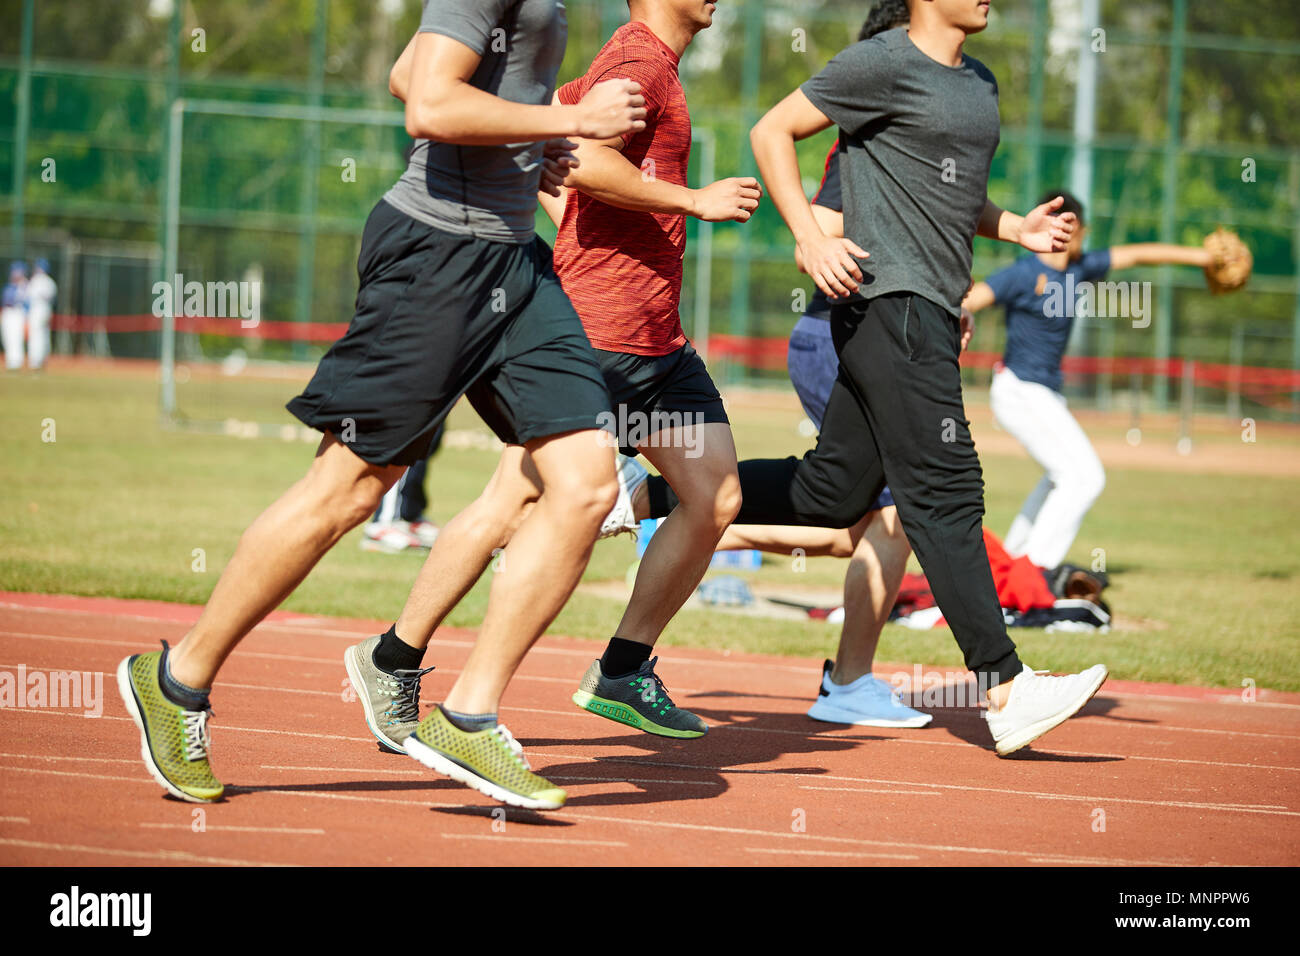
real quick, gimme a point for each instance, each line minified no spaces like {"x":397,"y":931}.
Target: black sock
{"x":392,"y":654}
{"x":623,"y":657}
{"x":182,"y":695}
{"x":470,"y":723}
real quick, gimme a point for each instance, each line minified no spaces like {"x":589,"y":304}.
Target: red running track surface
{"x":1178,"y":775}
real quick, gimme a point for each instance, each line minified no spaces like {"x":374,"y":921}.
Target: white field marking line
{"x":296,"y":626}
{"x":1043,"y":795}
{"x":675,"y":783}
{"x":130,"y":760}
{"x":1239,"y":808}
{"x":848,"y":853}
{"x":852,"y":841}
{"x":411,"y":772}
{"x":223,"y":727}
{"x":906,"y":793}
{"x":14,"y":820}
{"x":1229,"y":699}
{"x":578,"y":712}
{"x":420,"y":804}
{"x":320,"y":629}
{"x":170,"y":856}
{"x":502,"y":838}
{"x":223,"y":828}
{"x":268,"y":656}
{"x":961,"y":743}
{"x":137,"y":645}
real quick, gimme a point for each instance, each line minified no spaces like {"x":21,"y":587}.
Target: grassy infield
{"x":116,"y":505}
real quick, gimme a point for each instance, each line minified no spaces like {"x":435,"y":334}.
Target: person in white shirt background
{"x":41,"y":292}
{"x":13,"y":316}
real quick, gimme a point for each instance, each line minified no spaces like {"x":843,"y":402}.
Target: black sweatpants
{"x":895,"y":416}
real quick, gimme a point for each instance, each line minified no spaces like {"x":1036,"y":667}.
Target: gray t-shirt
{"x":487,"y":191}
{"x":918,"y":138}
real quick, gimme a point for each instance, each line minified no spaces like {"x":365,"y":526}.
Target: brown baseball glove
{"x":1230,"y":261}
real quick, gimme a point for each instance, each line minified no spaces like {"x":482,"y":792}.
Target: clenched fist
{"x":727,"y":200}
{"x":611,"y":108}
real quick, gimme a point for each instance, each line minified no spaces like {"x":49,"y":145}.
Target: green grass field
{"x":116,"y":506}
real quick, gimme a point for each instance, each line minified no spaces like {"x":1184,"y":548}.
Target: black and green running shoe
{"x":491,"y":761}
{"x":639,"y":700}
{"x":173,"y":741}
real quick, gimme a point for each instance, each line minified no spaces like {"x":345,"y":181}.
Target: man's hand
{"x":967,"y":327}
{"x":557,"y":160}
{"x":611,"y":108}
{"x":1044,"y":231}
{"x":830,"y":261}
{"x":727,"y":200}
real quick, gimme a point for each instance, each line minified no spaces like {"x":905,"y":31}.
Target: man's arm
{"x":604,"y":173}
{"x":399,"y":77}
{"x":1042,"y":230}
{"x":979,"y":297}
{"x":831,"y":222}
{"x":828,"y":259}
{"x":1158,"y":253}
{"x":442,"y":105}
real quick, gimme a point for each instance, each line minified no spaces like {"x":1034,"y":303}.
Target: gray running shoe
{"x":639,"y":700}
{"x":391,"y":701}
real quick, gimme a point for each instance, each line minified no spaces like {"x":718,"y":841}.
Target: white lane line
{"x":853,"y":841}
{"x":413,"y":771}
{"x":675,"y":783}
{"x":1043,"y":795}
{"x":854,"y":854}
{"x":14,"y":820}
{"x":78,"y":759}
{"x":907,"y":793}
{"x":223,"y":828}
{"x":140,"y":646}
{"x":169,"y":856}
{"x":1239,"y":808}
{"x":827,"y":735}
{"x":322,"y":628}
{"x":624,"y":821}
{"x":502,"y":838}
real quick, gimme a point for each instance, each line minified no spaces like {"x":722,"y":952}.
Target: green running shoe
{"x":173,"y":741}
{"x":639,"y":700}
{"x":491,"y":761}
{"x":391,"y":701}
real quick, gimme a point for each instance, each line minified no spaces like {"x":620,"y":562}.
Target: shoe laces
{"x":404,"y":687}
{"x":661,"y":688}
{"x":197,"y":737}
{"x":506,"y":737}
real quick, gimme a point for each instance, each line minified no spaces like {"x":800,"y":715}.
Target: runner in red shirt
{"x":619,"y":258}
{"x":622,"y":237}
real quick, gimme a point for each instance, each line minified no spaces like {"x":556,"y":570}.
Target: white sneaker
{"x":867,"y":702}
{"x":1038,"y":702}
{"x":425,"y":531}
{"x":620,"y":518}
{"x":390,"y":537}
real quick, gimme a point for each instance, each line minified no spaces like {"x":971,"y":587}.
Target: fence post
{"x":22,"y":122}
{"x":1187,"y":407}
{"x":1169,"y":204}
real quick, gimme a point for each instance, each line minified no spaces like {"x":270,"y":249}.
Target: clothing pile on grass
{"x":1064,"y":598}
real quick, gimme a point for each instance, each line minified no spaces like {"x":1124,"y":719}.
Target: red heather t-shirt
{"x":623,"y":269}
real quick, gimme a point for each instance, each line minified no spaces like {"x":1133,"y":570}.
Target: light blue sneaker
{"x":867,"y":702}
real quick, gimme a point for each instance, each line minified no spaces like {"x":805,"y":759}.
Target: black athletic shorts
{"x":441,"y":315}
{"x":653,"y":392}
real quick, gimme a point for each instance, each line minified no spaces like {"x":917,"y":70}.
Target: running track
{"x":1184,"y":776}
